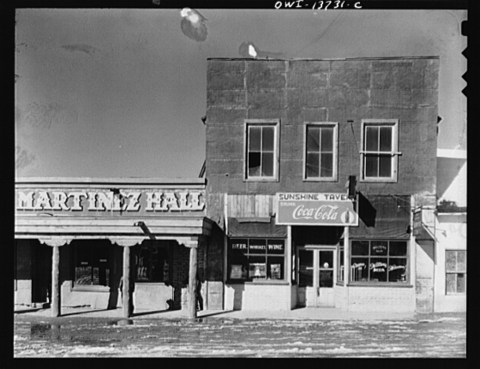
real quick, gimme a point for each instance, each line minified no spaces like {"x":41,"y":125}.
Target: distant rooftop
{"x":452,"y":154}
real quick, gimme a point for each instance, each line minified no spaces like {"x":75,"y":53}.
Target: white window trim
{"x":334,"y":176}
{"x":276,"y":156}
{"x":394,"y":153}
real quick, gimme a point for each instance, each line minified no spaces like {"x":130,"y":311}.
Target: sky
{"x":121,"y":92}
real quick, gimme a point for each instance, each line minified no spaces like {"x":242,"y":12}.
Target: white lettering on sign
{"x":25,"y":201}
{"x":324,"y":212}
{"x":108,"y":201}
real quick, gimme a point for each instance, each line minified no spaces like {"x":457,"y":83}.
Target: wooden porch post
{"x":55,"y":243}
{"x":192,"y":282}
{"x":346,"y":264}
{"x":55,"y":298}
{"x":126,"y":293}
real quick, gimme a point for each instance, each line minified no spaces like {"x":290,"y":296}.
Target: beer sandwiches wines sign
{"x":330,"y":209}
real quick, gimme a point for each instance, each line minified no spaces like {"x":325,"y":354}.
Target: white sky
{"x":120,"y":93}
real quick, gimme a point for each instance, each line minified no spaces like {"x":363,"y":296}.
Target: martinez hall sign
{"x":91,"y":201}
{"x":321,"y":209}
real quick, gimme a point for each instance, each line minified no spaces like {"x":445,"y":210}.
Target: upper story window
{"x":320,"y":152}
{"x":261,"y":150}
{"x":379,"y":150}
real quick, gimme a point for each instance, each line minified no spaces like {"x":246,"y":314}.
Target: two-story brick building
{"x":314,"y":169}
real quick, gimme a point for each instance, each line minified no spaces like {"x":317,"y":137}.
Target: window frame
{"x":387,"y":257}
{"x":456,"y":272}
{"x":265,"y":255}
{"x":394,"y":153}
{"x":334,"y":176}
{"x":276,"y":149}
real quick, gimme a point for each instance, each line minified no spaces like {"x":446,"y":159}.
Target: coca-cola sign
{"x":334,"y":209}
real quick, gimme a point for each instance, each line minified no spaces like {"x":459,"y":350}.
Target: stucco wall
{"x":451,"y":235}
{"x":258,"y":297}
{"x":299,"y":91}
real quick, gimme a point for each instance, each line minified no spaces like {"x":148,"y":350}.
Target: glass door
{"x":316,"y":274}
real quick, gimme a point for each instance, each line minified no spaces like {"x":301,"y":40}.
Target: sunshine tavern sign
{"x":334,"y":209}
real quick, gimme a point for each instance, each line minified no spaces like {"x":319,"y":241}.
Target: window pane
{"x":238,"y":259}
{"x":305,"y":277}
{"x":371,"y":138}
{"x":257,"y":246}
{"x":312,"y":165}
{"x":359,"y":269}
{"x":371,"y":166}
{"x":327,"y":139}
{"x":257,"y":268}
{"x":326,"y":259}
{"x":397,"y":270}
{"x":378,"y":248}
{"x":398,"y":248}
{"x":326,"y":169}
{"x":254,"y":138}
{"x":326,"y":278}
{"x":239,"y":244}
{"x":340,"y":269}
{"x":254,"y":164}
{"x":275,"y":246}
{"x":142,"y":259}
{"x":450,"y":261}
{"x":461,"y":261}
{"x":267,"y":138}
{"x":451,"y":283}
{"x":312,"y":139}
{"x":461,"y":282}
{"x":83,"y":275}
{"x":378,"y":269}
{"x":359,"y":247}
{"x":385,"y":163}
{"x":305,"y":268}
{"x":275,"y":267}
{"x":267,"y":164}
{"x":386,"y":138}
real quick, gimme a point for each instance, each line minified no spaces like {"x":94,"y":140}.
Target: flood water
{"x":435,"y":336}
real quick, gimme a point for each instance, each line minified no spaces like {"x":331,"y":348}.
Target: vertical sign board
{"x":321,"y":209}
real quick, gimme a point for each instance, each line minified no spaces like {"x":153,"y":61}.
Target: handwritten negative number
{"x":333,"y":5}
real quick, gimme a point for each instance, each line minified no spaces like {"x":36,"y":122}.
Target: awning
{"x":382,"y":216}
{"x":255,"y":227}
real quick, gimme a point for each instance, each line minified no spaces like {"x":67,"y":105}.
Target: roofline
{"x":332,"y":59}
{"x":112,"y":180}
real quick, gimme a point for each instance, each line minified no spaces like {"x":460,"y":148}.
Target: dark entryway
{"x":41,"y":272}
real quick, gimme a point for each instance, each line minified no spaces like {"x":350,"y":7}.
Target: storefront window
{"x":456,"y":271}
{"x":256,"y":259}
{"x":92,"y":267}
{"x":379,"y":261}
{"x":152,"y":264}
